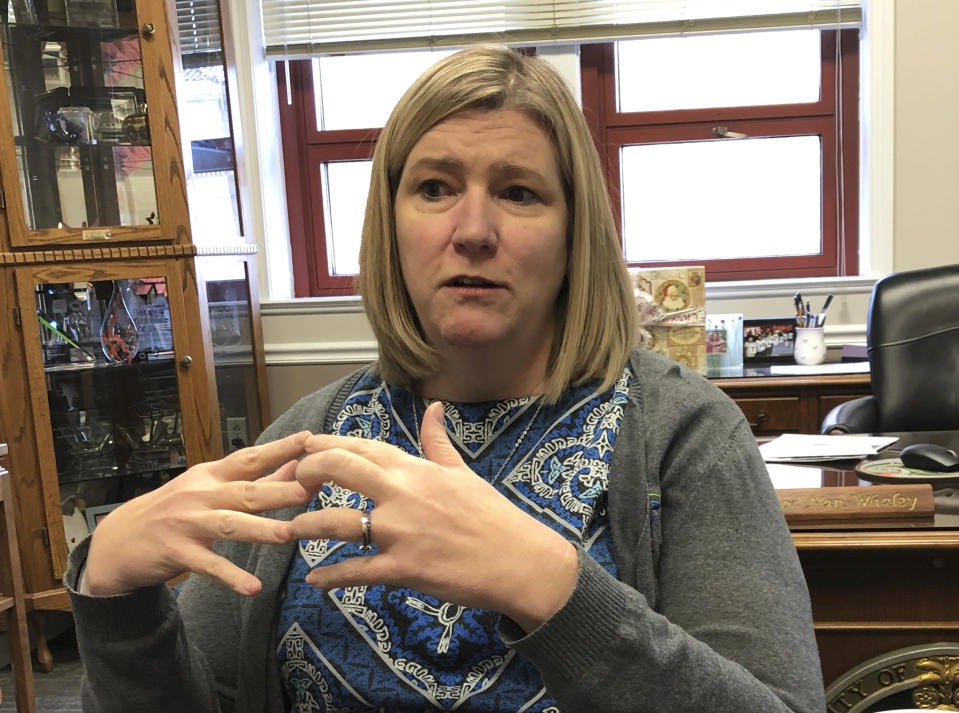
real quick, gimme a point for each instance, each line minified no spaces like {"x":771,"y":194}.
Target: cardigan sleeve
{"x":716,"y":614}
{"x":135,"y":653}
{"x":209,"y":650}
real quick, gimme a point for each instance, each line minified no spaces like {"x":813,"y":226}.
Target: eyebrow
{"x":450,"y":165}
{"x":441,"y":164}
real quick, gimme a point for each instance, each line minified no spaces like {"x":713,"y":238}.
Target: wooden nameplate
{"x":854,"y":502}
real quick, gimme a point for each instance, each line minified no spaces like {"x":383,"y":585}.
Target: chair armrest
{"x":857,"y":416}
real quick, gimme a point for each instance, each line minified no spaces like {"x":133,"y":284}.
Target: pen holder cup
{"x":810,"y":346}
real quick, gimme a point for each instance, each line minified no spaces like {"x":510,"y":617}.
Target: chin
{"x":465,"y":335}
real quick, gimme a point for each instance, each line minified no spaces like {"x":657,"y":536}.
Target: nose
{"x":474,"y":229}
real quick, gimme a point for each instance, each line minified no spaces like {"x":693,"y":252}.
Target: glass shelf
{"x":58,"y":32}
{"x":112,"y":386}
{"x":152,"y":358}
{"x":79,"y":115}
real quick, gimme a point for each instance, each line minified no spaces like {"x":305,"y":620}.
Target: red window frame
{"x":840,"y":208}
{"x":305,"y":150}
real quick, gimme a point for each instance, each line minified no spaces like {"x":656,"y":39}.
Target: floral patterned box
{"x":672,"y":312}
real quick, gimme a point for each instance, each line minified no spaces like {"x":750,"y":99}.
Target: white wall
{"x":926,"y":134}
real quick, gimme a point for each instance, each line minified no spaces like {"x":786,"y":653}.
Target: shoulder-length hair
{"x":596,"y":312}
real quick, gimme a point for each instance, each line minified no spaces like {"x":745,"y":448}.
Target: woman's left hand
{"x":438,"y":528}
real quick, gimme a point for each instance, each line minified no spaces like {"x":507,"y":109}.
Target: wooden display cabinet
{"x":95,"y":154}
{"x":95,"y":235}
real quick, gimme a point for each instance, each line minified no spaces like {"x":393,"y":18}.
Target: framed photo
{"x":98,"y":512}
{"x":767,"y":341}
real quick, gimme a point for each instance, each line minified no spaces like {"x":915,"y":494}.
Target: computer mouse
{"x":929,"y":456}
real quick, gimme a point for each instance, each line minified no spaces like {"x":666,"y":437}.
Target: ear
{"x":435,"y":441}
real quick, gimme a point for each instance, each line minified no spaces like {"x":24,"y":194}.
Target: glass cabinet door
{"x":80,"y":152}
{"x":102,"y":348}
{"x":112,"y":392}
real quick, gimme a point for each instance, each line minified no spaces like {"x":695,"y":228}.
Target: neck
{"x":470,"y":375}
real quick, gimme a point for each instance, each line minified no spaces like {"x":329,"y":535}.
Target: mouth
{"x":471,"y":281}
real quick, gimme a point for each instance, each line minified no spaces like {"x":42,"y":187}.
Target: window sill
{"x":735,"y":289}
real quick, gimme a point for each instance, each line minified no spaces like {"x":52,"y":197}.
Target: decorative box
{"x":672,"y":312}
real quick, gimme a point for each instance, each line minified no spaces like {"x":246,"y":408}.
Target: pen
{"x":808,"y":314}
{"x":797,"y":300}
{"x":821,"y":319}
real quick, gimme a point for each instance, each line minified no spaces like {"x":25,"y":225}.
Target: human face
{"x":481,"y":229}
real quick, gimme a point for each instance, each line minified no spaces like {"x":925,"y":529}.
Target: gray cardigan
{"x":710,"y":611}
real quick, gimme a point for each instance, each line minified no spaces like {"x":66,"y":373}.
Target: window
{"x":736,"y":151}
{"x":749,"y":166}
{"x":329,"y":130}
{"x":205,"y":124}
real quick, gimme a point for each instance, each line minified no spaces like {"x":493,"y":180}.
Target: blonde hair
{"x":596,"y":319}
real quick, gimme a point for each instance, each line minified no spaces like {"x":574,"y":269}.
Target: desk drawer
{"x":791,"y":404}
{"x":827,"y":402}
{"x":772,"y":414}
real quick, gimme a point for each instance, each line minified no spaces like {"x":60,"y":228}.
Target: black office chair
{"x":912,"y":336}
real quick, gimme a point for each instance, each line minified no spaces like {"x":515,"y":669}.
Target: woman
{"x":515,"y":513}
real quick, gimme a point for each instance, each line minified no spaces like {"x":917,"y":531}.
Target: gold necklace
{"x":519,"y":441}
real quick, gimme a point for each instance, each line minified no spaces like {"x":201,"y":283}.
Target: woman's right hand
{"x":171,"y":530}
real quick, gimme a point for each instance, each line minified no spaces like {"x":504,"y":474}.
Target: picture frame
{"x":768,"y":341}
{"x":92,"y":13}
{"x":96,"y":513}
{"x":724,"y":340}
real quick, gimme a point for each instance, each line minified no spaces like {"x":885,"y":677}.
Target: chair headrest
{"x":911,"y":305}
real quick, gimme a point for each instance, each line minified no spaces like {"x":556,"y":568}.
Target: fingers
{"x":253,"y":462}
{"x":346,"y":468}
{"x":260,"y":495}
{"x":285,"y":472}
{"x":343,"y":524}
{"x":379,"y":452}
{"x":436,"y":441}
{"x":331,"y":523}
{"x":353,"y":572}
{"x":243,"y":527}
{"x":205,"y":562}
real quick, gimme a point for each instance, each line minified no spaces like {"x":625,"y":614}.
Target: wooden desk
{"x":791,"y":404}
{"x":874,"y":592}
{"x":877,"y":589}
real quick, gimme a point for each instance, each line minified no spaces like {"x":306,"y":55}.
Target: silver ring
{"x":366,"y":530}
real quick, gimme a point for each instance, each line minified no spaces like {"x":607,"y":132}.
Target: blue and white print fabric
{"x":387,"y":648}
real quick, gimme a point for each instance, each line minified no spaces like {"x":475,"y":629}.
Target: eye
{"x":433,"y":189}
{"x":520,"y":194}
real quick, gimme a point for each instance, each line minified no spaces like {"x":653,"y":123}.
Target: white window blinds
{"x":301,"y":28}
{"x":199,"y":25}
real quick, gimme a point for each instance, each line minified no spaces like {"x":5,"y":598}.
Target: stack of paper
{"x":838,"y":367}
{"x":800,"y":448}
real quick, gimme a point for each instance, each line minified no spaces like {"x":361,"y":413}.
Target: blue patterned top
{"x":388,"y":648}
